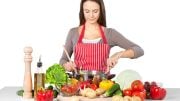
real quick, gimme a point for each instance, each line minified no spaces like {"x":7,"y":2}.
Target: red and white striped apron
{"x":91,"y":56}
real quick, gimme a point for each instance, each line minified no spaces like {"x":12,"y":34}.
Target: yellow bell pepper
{"x":106,"y":84}
{"x":74,"y":81}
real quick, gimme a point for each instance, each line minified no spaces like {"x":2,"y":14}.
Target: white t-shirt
{"x":91,"y":41}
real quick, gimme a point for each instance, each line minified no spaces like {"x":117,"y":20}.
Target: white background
{"x":44,"y":24}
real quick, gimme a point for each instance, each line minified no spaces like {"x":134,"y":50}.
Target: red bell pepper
{"x":44,"y":95}
{"x":157,"y":93}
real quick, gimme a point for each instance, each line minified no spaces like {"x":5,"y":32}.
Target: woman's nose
{"x":91,"y":15}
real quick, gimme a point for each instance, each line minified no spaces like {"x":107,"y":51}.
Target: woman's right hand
{"x":70,"y":66}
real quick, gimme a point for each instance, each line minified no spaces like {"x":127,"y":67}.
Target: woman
{"x":91,"y":41}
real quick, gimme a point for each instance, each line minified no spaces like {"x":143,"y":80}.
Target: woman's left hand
{"x":112,"y":61}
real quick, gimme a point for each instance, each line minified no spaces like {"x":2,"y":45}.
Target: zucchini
{"x":118,"y":92}
{"x":113,"y":89}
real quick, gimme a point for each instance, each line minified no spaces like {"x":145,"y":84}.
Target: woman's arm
{"x":132,"y":50}
{"x":69,"y":47}
{"x":129,"y":53}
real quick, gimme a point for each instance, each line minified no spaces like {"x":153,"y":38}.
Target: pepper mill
{"x":27,"y":86}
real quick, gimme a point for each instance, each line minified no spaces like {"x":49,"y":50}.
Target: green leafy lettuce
{"x":56,"y":75}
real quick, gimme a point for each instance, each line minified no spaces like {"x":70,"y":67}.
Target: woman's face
{"x":91,"y":11}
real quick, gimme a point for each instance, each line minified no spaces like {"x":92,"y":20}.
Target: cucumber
{"x":118,"y":92}
{"x":110,"y":92}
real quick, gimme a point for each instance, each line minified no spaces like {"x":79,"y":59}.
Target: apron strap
{"x":82,"y":34}
{"x":103,"y":36}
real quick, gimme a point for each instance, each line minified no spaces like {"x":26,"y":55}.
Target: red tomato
{"x":84,"y":84}
{"x":127,"y":92}
{"x":63,"y":88}
{"x":157,"y":93}
{"x":93,"y":86}
{"x":137,"y":85}
{"x":141,"y":94}
{"x":68,"y":89}
{"x":74,"y":88}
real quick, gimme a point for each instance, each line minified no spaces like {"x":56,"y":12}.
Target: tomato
{"x":74,"y":88}
{"x":69,"y":90}
{"x":127,"y":92}
{"x":137,"y":85}
{"x":63,"y":88}
{"x":141,"y":94}
{"x":93,"y":86}
{"x":157,"y":93}
{"x":84,"y":84}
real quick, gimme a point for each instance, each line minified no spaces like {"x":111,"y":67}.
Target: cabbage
{"x":126,"y":77}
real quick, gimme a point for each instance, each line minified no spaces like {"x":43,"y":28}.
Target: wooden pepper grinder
{"x":27,"y":86}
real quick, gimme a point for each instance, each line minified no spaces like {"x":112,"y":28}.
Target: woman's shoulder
{"x":74,"y":29}
{"x":110,"y":30}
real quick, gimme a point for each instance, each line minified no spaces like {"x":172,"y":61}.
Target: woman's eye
{"x":95,"y":11}
{"x":86,"y":11}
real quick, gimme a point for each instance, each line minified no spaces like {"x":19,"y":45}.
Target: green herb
{"x":56,"y":75}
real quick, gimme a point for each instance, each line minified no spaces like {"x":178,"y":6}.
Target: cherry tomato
{"x":137,"y":85}
{"x":127,"y":92}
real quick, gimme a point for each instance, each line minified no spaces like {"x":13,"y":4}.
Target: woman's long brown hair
{"x":102,"y":17}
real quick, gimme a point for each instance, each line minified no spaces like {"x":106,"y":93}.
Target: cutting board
{"x":61,"y":98}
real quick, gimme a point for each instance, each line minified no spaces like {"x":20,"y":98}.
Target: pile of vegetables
{"x":49,"y":89}
{"x":56,"y":75}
